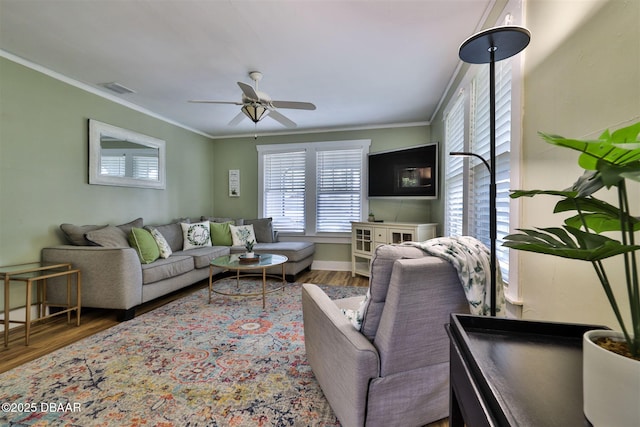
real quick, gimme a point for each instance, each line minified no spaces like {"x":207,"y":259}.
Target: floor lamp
{"x":490,"y":46}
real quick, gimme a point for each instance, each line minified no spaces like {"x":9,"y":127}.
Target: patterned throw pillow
{"x":163,"y":245}
{"x":356,"y":316}
{"x":196,"y":235}
{"x":242,"y":234}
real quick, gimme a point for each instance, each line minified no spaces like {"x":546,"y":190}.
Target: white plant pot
{"x":249,"y":254}
{"x":611,"y":384}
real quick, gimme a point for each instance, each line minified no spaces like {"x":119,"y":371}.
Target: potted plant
{"x":608,"y":162}
{"x":249,"y":247}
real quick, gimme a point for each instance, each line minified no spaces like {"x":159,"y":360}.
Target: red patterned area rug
{"x":188,"y":363}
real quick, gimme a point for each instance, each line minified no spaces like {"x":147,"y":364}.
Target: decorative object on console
{"x":609,"y":161}
{"x":249,"y":246}
{"x":489,"y":46}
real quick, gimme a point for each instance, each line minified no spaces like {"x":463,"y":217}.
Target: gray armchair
{"x":395,"y":370}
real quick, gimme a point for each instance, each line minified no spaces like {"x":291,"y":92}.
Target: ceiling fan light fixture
{"x":254,"y":111}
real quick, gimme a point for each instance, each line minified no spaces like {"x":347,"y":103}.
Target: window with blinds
{"x":284,"y":190}
{"x":313,"y":188}
{"x":339,"y":189}
{"x":470,"y":215}
{"x":454,"y":170}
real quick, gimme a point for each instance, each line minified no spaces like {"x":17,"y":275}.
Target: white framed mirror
{"x":125,"y":158}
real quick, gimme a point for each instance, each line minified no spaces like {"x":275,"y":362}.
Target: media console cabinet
{"x":365,"y":236}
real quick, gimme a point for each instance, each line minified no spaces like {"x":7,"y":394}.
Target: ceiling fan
{"x":257,"y":105}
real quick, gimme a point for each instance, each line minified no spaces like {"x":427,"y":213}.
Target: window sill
{"x":338,"y":238}
{"x":513,"y":301}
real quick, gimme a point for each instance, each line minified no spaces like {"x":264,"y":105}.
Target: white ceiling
{"x":362,"y":63}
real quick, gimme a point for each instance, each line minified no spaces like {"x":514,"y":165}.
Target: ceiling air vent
{"x":117,"y":88}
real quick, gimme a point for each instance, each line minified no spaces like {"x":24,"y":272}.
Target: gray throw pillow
{"x":172,"y":234}
{"x":238,"y":221}
{"x":75,"y":234}
{"x":108,"y":237}
{"x":263,"y":229}
{"x":137,"y":223}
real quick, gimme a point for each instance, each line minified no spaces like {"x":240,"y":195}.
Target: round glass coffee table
{"x":240,"y":264}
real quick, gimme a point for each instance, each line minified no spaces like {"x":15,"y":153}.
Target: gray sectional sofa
{"x":117,"y":274}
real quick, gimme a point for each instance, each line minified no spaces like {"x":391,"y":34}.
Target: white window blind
{"x":454,"y":170}
{"x":480,"y":144}
{"x":113,"y":165}
{"x":145,"y":167}
{"x":467,"y":188}
{"x":338,"y":192}
{"x":284,"y":190}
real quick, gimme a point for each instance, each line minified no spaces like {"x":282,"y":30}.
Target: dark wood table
{"x":507,"y":372}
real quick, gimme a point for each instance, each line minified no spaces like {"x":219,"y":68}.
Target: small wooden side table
{"x":39,"y":273}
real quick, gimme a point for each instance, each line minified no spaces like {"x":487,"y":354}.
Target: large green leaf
{"x":530,"y":193}
{"x":587,"y":204}
{"x":597,"y":215}
{"x":598,"y":223}
{"x":567,"y":243}
{"x":620,"y":148}
{"x":588,"y":183}
{"x":613,"y":174}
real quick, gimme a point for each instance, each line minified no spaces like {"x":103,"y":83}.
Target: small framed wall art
{"x":234,"y":183}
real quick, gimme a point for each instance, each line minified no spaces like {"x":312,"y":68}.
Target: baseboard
{"x":331,"y":265}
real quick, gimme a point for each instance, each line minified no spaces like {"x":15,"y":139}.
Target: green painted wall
{"x":241,"y":153}
{"x":44,"y":165}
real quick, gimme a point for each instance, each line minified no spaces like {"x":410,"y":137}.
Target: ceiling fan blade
{"x":203,"y":101}
{"x":237,"y":119}
{"x":249,"y":92}
{"x":278,"y":117}
{"x":293,"y":105}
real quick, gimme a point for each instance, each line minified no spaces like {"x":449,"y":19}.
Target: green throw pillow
{"x":221,"y":233}
{"x":143,"y":242}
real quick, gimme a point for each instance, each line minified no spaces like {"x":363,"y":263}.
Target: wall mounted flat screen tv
{"x":407,"y":173}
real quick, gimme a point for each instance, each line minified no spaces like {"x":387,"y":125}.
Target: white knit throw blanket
{"x":472,"y":260}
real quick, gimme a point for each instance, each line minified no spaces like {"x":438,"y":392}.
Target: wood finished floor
{"x":55,"y":333}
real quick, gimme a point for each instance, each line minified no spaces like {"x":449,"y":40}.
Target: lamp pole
{"x":489,"y":46}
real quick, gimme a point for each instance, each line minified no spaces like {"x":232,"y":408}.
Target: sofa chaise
{"x":120,"y":271}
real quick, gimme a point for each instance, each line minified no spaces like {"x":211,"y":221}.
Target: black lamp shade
{"x":504,"y":41}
